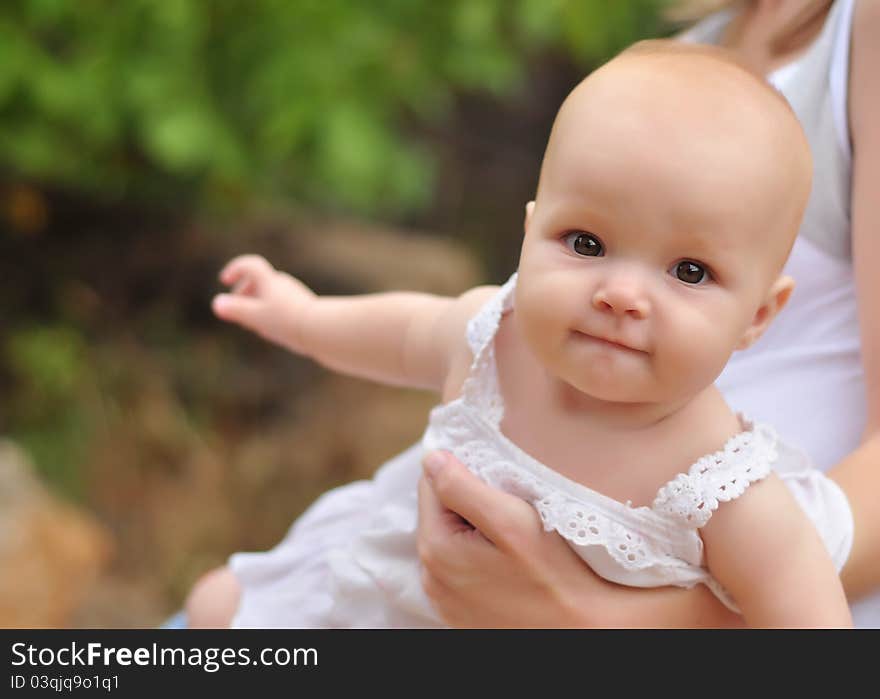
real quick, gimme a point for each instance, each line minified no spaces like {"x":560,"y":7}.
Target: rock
{"x":51,"y":552}
{"x":374,"y":258}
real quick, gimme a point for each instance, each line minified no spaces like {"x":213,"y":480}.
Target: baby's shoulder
{"x":734,"y":483}
{"x":466,"y":306}
{"x":472,"y":301}
{"x":765,"y":510}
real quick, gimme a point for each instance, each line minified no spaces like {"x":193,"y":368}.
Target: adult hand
{"x":493,"y":566}
{"x":487,"y":562}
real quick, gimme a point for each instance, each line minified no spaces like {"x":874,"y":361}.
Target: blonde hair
{"x":789,"y":38}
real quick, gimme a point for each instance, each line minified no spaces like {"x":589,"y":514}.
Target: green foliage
{"x":302,"y":98}
{"x":51,"y":374}
{"x":49,"y":362}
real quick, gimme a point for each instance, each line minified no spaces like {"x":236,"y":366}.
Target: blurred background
{"x":358,"y":145}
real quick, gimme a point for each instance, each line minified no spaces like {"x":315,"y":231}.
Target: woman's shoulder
{"x":864,"y":104}
{"x":864,"y":64}
{"x":867,"y":17}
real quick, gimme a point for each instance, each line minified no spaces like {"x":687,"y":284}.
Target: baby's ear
{"x":530,"y":207}
{"x":775,"y":300}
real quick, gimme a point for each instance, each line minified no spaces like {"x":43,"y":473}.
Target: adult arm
{"x":859,"y":474}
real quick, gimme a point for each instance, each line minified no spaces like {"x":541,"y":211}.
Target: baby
{"x":670,"y":193}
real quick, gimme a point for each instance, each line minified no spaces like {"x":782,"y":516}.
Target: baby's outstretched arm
{"x":768,"y":555}
{"x":400,"y":338}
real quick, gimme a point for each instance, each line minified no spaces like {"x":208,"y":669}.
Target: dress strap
{"x":747,"y":457}
{"x":481,"y":386}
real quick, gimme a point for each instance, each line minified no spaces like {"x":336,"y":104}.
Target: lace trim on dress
{"x":747,"y":457}
{"x":585,"y":526}
{"x":481,"y":386}
{"x":580,"y":523}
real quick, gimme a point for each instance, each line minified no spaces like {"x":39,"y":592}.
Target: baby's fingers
{"x":236,"y":309}
{"x":243,"y":266}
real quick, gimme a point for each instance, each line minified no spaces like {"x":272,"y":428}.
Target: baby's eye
{"x":690,"y":272}
{"x":586,"y":244}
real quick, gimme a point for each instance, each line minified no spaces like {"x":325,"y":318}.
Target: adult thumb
{"x":502,"y":518}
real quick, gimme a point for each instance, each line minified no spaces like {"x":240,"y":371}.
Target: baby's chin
{"x":611,"y":387}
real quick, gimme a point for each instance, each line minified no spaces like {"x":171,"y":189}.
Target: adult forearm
{"x":859,"y":477}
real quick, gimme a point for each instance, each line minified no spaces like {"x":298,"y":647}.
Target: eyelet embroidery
{"x":692,"y":497}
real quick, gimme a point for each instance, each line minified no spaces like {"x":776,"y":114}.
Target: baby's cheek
{"x":540,"y":306}
{"x":696,"y":360}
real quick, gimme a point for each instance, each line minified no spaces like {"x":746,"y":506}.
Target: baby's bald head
{"x":691,"y":125}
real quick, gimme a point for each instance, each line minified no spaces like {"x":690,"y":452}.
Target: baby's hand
{"x":262,"y":299}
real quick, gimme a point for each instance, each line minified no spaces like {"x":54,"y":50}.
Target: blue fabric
{"x":177,"y":621}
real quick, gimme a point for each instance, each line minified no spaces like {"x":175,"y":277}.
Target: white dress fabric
{"x":805,"y":376}
{"x":351,"y":560}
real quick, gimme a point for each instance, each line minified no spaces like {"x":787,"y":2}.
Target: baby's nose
{"x":622,"y":296}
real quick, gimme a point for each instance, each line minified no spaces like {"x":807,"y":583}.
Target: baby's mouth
{"x":607,"y":342}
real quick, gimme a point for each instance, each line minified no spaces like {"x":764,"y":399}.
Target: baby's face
{"x":653,"y":241}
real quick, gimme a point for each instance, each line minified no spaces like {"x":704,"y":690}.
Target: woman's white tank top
{"x":804,"y":376}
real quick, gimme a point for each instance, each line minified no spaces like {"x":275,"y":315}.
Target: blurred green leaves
{"x":49,"y":366}
{"x":48,"y":360}
{"x":317,"y":100}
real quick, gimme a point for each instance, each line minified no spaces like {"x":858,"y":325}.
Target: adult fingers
{"x":505,"y":520}
{"x":434,"y":517}
{"x":439,"y":530}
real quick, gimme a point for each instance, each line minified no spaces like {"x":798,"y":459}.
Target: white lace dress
{"x":350,"y":561}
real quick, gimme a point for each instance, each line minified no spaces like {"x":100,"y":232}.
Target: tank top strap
{"x":481,"y":388}
{"x":746,"y":458}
